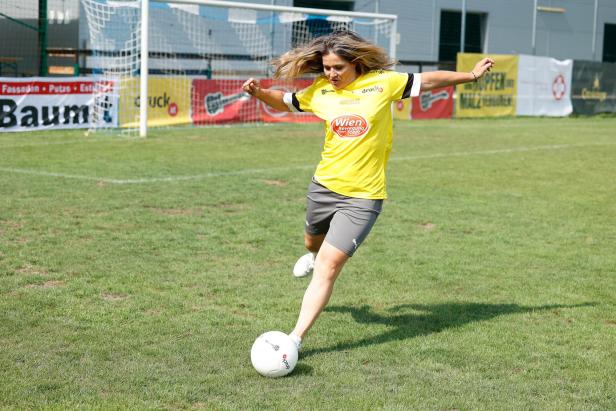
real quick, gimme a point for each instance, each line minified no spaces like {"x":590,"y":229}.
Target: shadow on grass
{"x":301,"y":369}
{"x":425,"y":319}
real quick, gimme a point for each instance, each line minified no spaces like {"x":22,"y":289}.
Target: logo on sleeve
{"x":349,"y":126}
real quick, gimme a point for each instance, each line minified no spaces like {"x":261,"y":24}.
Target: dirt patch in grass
{"x":276,"y":183}
{"x":231,"y":208}
{"x":11,"y":224}
{"x":47,"y":284}
{"x":178,"y":211}
{"x":107,"y":296}
{"x":427,"y":226}
{"x":29,"y":269}
{"x":153,"y":312}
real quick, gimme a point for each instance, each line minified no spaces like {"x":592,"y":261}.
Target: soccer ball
{"x":273,"y":354}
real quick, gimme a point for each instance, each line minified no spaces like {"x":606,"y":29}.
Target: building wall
{"x":509,"y":26}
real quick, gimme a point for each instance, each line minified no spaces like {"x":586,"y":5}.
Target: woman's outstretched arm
{"x":437,"y":79}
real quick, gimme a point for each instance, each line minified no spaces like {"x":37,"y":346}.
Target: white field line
{"x":81,"y":141}
{"x":500,"y":151}
{"x":250,"y":171}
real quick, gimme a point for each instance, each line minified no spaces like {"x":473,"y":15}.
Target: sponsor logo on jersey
{"x":349,"y":126}
{"x":349,"y":101}
{"x":373,"y":89}
{"x":324,"y":91}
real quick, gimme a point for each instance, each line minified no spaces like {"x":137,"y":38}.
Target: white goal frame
{"x":145,"y":4}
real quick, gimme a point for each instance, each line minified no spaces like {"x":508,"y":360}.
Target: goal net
{"x":199,"y":53}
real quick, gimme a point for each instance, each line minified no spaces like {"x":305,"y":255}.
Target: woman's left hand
{"x":482,"y":66}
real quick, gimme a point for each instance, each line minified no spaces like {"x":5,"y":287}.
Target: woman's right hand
{"x":273,"y":98}
{"x":251,"y":86}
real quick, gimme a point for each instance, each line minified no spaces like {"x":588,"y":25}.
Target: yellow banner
{"x":402,"y":109}
{"x":494,"y":95}
{"x":168,"y":101}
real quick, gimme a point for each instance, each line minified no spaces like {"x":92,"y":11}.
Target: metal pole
{"x":266,"y":7}
{"x":376,"y":31}
{"x":594,"y":32}
{"x":143,"y":84}
{"x":42,"y":35}
{"x":534,"y":27}
{"x":393,"y":40}
{"x":272,"y":37}
{"x":463,"y":29}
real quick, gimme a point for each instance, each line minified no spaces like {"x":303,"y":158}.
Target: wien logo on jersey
{"x":349,"y":126}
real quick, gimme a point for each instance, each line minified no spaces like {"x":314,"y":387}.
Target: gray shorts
{"x":346,"y":221}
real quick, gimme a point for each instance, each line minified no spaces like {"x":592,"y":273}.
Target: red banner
{"x":224,"y":101}
{"x":221,"y":101}
{"x":270,"y":115}
{"x":433,"y":104}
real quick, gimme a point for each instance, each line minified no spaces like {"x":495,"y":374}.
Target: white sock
{"x":296,"y":340}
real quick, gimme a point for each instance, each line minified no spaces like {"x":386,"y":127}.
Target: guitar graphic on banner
{"x":215,"y":103}
{"x":427,"y":99}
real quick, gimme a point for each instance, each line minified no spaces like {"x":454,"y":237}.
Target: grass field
{"x":136,"y":273}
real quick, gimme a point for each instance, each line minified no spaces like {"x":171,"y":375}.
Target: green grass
{"x":136,"y":273}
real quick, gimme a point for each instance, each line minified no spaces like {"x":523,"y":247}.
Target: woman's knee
{"x":329,"y":262}
{"x":313,"y":242}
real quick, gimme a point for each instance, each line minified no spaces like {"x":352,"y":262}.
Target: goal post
{"x":182,"y":62}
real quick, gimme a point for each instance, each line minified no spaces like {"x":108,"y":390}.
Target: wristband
{"x":474,"y":76}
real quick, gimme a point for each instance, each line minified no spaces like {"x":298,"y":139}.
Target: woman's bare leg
{"x":327,"y":267}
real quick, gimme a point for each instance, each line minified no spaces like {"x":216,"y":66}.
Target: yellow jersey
{"x":358,"y":128}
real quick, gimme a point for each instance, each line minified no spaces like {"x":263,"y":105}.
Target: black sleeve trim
{"x":409,"y":85}
{"x":295,"y":102}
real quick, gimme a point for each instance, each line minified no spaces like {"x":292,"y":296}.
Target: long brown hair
{"x":346,"y":44}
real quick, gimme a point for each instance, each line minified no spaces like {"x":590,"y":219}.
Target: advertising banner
{"x":433,"y":104}
{"x":544,"y":86}
{"x":492,"y":96}
{"x":221,"y":101}
{"x":38,"y":103}
{"x":402,"y":109}
{"x":168,"y":101}
{"x":269,"y":115}
{"x":594,"y":87}
{"x":224,"y":101}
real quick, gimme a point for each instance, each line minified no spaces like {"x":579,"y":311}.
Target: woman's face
{"x":338,"y":71}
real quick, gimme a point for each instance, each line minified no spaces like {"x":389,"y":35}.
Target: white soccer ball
{"x":273,"y":354}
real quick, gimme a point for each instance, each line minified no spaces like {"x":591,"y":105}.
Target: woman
{"x":353,"y":94}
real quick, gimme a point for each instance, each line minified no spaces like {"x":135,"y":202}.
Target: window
{"x":329,"y":5}
{"x":609,"y":43}
{"x":451,"y":24}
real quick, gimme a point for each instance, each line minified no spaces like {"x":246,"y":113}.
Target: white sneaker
{"x":296,"y":340}
{"x":304,"y":266}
